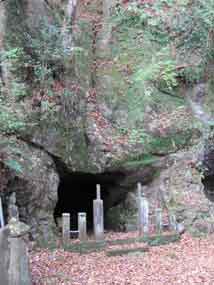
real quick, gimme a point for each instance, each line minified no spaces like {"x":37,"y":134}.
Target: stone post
{"x":1,"y":215}
{"x":98,"y":216}
{"x":65,"y":228}
{"x":19,"y":271}
{"x":159,"y":222}
{"x":82,"y":226}
{"x":172,"y":221}
{"x":5,"y":255}
{"x":143,"y":212}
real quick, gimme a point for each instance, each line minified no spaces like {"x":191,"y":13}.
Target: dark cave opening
{"x":208,"y":173}
{"x":77,"y":191}
{"x":207,"y":170}
{"x":208,"y":182}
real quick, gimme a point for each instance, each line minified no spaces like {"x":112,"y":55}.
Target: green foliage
{"x":185,"y":26}
{"x":35,"y":62}
{"x":169,"y":143}
{"x":164,"y":43}
{"x":12,"y":60}
{"x":9,"y":157}
{"x":192,"y":74}
{"x":12,"y":54}
{"x":149,"y":57}
{"x":154,"y":240}
{"x":49,"y":52}
{"x":163,"y":240}
{"x":18,"y":90}
{"x":192,"y":25}
{"x":10,"y":118}
{"x":85,"y":247}
{"x":146,"y":161}
{"x":161,"y":71}
{"x":133,"y":16}
{"x":135,"y":161}
{"x":14,"y":165}
{"x":10,"y":121}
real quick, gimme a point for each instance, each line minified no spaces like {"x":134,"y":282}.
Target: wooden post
{"x":143,"y":212}
{"x":82,"y":228}
{"x":65,"y":227}
{"x":98,"y":216}
{"x":1,"y":215}
{"x":159,"y":222}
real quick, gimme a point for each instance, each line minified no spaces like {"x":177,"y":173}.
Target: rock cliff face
{"x":68,"y":122}
{"x":35,"y":185}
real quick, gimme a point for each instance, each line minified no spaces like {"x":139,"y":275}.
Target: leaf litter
{"x":190,"y":261}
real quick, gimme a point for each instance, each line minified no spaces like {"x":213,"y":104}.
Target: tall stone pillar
{"x":143,"y":212}
{"x":65,"y":228}
{"x":98,"y":216}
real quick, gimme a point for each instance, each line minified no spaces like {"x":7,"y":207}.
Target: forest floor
{"x":188,"y":261}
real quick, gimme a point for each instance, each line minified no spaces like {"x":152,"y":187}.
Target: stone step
{"x":117,"y":252}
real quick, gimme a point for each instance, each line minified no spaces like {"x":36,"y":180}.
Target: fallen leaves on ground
{"x":190,"y":261}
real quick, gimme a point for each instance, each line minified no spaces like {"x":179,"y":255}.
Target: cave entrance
{"x":208,"y":182}
{"x":77,"y":191}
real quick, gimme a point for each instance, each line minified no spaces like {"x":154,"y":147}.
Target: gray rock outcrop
{"x":69,"y":107}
